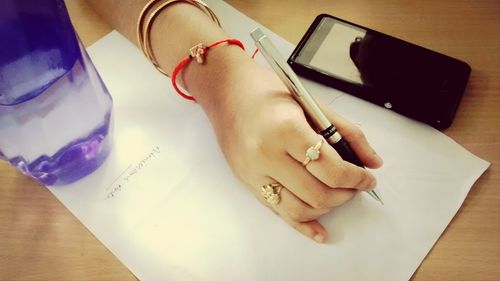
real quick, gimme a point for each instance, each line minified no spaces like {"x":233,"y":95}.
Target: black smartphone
{"x":398,"y":75}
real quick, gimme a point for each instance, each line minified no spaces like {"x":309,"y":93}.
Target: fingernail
{"x":378,"y":159}
{"x":319,"y":238}
{"x":369,"y":188}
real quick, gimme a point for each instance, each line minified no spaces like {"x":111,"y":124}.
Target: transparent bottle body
{"x":55,"y":111}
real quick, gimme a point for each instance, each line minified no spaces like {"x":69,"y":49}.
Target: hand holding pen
{"x":321,"y":123}
{"x":270,"y":145}
{"x":264,"y":136}
{"x":261,"y":129}
{"x":319,"y":120}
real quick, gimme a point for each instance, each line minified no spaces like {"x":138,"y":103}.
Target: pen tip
{"x":376,"y":196}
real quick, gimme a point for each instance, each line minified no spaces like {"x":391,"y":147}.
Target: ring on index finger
{"x":312,"y":153}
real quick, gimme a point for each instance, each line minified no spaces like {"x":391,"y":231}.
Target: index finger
{"x":329,"y":168}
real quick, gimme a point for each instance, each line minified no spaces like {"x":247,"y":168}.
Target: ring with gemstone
{"x":271,"y":192}
{"x":312,"y":153}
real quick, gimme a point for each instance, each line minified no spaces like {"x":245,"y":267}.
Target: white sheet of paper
{"x":167,"y":205}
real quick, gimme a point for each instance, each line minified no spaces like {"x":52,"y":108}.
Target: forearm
{"x":176,"y":29}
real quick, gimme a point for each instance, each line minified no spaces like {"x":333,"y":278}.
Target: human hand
{"x":264,"y":136}
{"x":260,"y":128}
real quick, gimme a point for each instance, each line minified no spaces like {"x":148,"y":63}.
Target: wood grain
{"x":41,"y":240}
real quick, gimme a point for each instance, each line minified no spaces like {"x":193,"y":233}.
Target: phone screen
{"x":329,"y":49}
{"x":407,"y":78}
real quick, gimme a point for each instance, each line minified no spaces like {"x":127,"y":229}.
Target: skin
{"x":252,"y":113}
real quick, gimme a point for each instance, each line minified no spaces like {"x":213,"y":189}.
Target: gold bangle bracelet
{"x":144,"y":24}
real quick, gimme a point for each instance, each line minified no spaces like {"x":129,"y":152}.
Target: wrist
{"x":209,"y":83}
{"x":205,"y":83}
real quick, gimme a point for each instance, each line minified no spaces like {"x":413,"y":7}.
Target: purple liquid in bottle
{"x":55,"y":112}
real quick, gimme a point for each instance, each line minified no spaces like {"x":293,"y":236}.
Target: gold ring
{"x":272,"y":193}
{"x":312,"y":153}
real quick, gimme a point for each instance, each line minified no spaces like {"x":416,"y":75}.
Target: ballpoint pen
{"x":306,"y":101}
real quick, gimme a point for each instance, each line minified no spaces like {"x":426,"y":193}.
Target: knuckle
{"x":337,"y":178}
{"x":287,"y":125}
{"x":355,"y":134}
{"x":296,"y":213}
{"x":320,"y":201}
{"x":280,"y":127}
{"x":342,"y":197}
{"x":296,"y":226}
{"x":260,"y":145}
{"x":368,"y":181}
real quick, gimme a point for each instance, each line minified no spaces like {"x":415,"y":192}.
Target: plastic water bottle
{"x":55,"y":111}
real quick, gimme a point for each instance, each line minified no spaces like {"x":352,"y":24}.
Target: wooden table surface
{"x":41,"y":240}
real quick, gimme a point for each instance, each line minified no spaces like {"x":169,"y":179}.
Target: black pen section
{"x":328,"y":132}
{"x":345,"y":151}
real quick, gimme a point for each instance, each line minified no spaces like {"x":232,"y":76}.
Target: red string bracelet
{"x":255,"y":53}
{"x":198,"y":52}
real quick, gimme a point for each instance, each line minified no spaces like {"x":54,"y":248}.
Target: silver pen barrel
{"x":290,"y":79}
